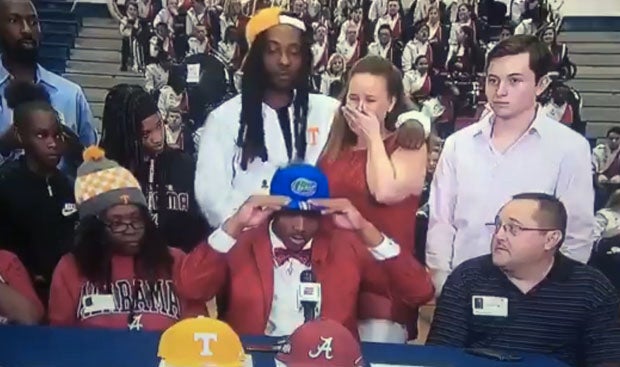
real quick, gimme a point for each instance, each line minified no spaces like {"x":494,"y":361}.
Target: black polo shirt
{"x":573,"y":314}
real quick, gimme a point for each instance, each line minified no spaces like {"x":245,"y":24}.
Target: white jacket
{"x":221,"y":185}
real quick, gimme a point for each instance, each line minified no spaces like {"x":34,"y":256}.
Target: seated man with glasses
{"x":528,"y":297}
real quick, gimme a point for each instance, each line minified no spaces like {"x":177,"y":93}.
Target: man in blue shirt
{"x":19,"y":41}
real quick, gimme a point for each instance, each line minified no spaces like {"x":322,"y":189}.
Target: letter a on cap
{"x":324,"y":348}
{"x":206,"y":339}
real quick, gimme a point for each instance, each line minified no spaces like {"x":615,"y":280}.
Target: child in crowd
{"x":161,"y":41}
{"x":37,"y":206}
{"x":130,"y":49}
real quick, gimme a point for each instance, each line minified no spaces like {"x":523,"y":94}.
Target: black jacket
{"x":606,"y":258}
{"x":180,"y":221}
{"x":37,"y":219}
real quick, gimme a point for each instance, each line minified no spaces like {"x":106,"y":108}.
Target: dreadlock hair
{"x":124,"y":109}
{"x":93,"y":252}
{"x":126,"y":106}
{"x":254,"y":82}
{"x":24,"y":98}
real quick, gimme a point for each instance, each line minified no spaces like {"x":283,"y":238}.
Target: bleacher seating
{"x":597,"y":55}
{"x":59,"y":26}
{"x":84,"y":49}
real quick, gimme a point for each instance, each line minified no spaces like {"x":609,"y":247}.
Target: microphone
{"x":309,"y":295}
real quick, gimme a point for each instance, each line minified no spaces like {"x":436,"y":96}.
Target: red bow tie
{"x":281,"y":255}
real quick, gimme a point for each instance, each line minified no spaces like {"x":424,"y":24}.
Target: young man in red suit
{"x":253,"y":262}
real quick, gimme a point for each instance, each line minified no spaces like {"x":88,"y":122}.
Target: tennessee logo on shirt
{"x":144,"y":297}
{"x":313,"y":133}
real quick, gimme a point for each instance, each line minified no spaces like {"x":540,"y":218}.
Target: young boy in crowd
{"x":37,"y":205}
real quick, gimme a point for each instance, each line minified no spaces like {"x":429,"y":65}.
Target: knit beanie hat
{"x":101,"y":183}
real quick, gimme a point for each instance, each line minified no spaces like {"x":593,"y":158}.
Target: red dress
{"x":347,"y":179}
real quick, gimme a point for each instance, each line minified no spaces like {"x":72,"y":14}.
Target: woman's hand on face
{"x":348,"y":117}
{"x":365,"y":125}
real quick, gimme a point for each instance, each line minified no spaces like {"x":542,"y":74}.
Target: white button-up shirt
{"x":473,"y":181}
{"x":286,"y":312}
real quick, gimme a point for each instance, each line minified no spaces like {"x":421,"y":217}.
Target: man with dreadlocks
{"x":133,"y":135}
{"x":274,"y":120}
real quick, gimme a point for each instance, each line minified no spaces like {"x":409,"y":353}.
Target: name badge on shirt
{"x":98,"y":303}
{"x":489,"y":306}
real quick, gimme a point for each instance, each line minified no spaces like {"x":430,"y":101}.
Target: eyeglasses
{"x":122,"y":227}
{"x":515,"y":229}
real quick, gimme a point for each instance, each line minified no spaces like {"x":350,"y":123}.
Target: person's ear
{"x":18,"y":136}
{"x":553,"y":239}
{"x":542,"y":85}
{"x":392,"y":104}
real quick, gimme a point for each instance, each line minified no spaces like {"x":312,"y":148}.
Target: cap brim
{"x":302,"y":206}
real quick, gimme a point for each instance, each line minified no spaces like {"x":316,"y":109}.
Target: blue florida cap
{"x":300,"y":183}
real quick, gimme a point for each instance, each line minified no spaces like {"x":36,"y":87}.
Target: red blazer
{"x":341,"y":263}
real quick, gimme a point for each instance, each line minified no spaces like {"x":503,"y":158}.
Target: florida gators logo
{"x":303,"y":187}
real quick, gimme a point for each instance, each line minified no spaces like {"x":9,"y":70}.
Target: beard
{"x":21,"y":53}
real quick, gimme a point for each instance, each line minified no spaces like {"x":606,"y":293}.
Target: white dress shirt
{"x":327,"y":79}
{"x":413,"y":81}
{"x":412,"y":50}
{"x":165,"y":16}
{"x":320,"y":52}
{"x":286,"y":313}
{"x":227,"y":51}
{"x":377,"y":49}
{"x":156,"y":77}
{"x":342,"y":36}
{"x":473,"y":181}
{"x":221,"y":185}
{"x":126,"y":29}
{"x":154,"y":47}
{"x":421,"y":10}
{"x":196,"y":46}
{"x":378,"y":8}
{"x":526,"y":27}
{"x":350,"y":52}
{"x":226,"y":22}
